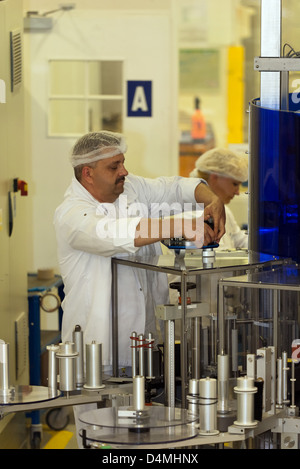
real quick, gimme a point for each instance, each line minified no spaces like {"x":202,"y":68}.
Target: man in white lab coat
{"x":107,"y":212}
{"x":94,"y":223}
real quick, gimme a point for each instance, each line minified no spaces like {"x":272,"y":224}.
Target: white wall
{"x":13,"y":164}
{"x":145,"y":40}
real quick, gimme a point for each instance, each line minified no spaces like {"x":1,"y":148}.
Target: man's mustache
{"x":122,"y":179}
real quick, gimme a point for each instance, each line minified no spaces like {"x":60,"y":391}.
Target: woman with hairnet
{"x":224,"y":170}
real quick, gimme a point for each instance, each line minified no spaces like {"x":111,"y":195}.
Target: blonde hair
{"x":199,"y":174}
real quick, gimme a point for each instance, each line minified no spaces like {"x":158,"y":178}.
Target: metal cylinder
{"x":139,"y":392}
{"x":93,"y":365}
{"x":133,"y":353}
{"x":52,"y":366}
{"x":285,"y":370}
{"x":150,"y":356}
{"x":223,"y":383}
{"x":66,"y":355}
{"x":193,"y":397}
{"x":208,"y":257}
{"x":279,"y":383}
{"x":293,"y":383}
{"x":169,"y":363}
{"x":205,"y":347}
{"x":208,"y":406}
{"x":79,"y":367}
{"x":141,"y":354}
{"x":4,"y":367}
{"x":245,"y":391}
{"x":196,"y":342}
{"x":234,"y":358}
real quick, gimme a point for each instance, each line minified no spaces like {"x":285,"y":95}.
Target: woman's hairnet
{"x":222,"y":162}
{"x":96,"y":146}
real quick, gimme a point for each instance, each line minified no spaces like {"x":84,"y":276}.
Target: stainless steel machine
{"x":197,"y":384}
{"x":234,"y":380}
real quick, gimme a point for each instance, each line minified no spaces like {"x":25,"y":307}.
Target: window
{"x":85,"y":96}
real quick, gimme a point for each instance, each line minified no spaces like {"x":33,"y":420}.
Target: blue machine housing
{"x":274,"y":181}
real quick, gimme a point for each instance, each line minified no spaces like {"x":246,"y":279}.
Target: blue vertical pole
{"x":34,"y":347}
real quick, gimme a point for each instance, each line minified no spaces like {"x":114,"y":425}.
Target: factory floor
{"x":28,"y":431}
{"x":59,"y":439}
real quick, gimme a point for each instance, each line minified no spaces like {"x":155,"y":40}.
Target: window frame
{"x":85,"y":96}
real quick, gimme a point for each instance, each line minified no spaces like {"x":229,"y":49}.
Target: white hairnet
{"x":222,"y":162}
{"x":97,"y":146}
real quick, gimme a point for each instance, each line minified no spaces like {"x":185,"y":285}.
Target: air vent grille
{"x":16,"y":59}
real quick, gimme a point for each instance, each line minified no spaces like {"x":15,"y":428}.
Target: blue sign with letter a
{"x":139,"y":98}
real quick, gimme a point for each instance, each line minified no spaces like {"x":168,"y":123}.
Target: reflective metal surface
{"x":158,"y":424}
{"x":285,"y":277}
{"x":193,"y":260}
{"x":153,"y":417}
{"x":27,"y":394}
{"x":270,"y":47}
{"x":124,"y":437}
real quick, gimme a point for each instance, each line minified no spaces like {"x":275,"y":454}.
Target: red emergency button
{"x":23,"y":187}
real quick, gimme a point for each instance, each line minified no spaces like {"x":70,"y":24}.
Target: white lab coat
{"x":86,"y":241}
{"x":234,"y":238}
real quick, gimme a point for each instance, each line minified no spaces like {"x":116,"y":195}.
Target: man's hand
{"x":213,"y":209}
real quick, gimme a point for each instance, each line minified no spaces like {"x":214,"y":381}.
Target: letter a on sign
{"x":139,"y":98}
